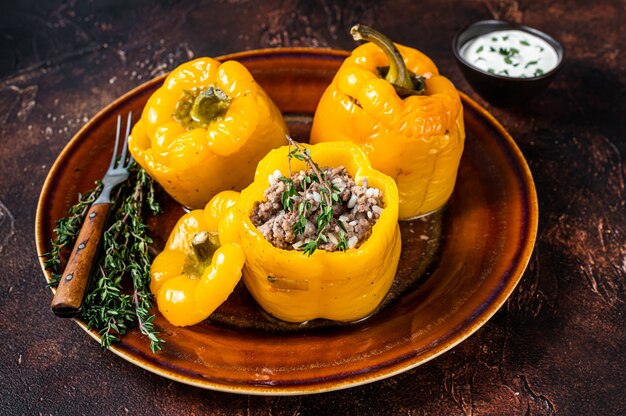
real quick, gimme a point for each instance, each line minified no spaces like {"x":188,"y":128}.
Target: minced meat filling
{"x":359,"y":208}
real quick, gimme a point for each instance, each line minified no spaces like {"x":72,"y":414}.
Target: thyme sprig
{"x":109,"y":308}
{"x":329,"y":196}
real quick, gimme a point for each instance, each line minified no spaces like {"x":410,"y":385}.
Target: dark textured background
{"x":556,"y":347}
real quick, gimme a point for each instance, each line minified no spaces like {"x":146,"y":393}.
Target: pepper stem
{"x":201,"y":245}
{"x":197,"y":109}
{"x":398,"y":74}
{"x":208,"y":105}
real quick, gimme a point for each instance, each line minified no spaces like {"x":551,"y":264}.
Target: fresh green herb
{"x":329,"y":196}
{"x":491,"y":71}
{"x":531,"y":63}
{"x":494,"y":39}
{"x":505,"y":72}
{"x":524,"y":42}
{"x":508,"y":53}
{"x":479,"y":50}
{"x":288,"y":195}
{"x":492,"y":49}
{"x":343,"y":241}
{"x":108,"y":308}
{"x":505,"y":38}
{"x":540,"y":48}
{"x":538,"y":72}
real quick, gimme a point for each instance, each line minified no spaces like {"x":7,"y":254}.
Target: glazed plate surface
{"x":456,"y":269}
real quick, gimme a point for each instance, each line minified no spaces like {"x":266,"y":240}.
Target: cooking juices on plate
{"x":315,"y":233}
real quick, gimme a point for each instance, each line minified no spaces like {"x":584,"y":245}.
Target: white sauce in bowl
{"x":510,"y":53}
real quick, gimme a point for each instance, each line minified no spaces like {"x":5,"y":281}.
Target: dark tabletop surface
{"x":556,"y":347}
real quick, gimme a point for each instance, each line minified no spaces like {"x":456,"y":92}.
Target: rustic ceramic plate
{"x":457,"y":268}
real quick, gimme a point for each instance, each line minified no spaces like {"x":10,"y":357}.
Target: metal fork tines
{"x":117,"y":172}
{"x":70,"y":293}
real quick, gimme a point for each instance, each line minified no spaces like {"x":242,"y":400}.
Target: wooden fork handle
{"x":68,"y":299}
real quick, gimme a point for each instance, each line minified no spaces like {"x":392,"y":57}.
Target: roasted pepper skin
{"x":418,"y":140}
{"x":194,"y":164}
{"x":188,"y":289}
{"x":342,"y":286}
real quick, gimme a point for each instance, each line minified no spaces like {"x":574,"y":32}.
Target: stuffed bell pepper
{"x":392,"y":102}
{"x":205,"y":129}
{"x":319,"y":230}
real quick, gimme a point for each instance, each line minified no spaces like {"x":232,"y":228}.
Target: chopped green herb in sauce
{"x":531,"y":63}
{"x":511,"y":53}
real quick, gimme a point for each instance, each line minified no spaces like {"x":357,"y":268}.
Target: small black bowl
{"x":497,"y":89}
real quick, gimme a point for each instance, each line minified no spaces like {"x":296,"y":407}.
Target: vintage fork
{"x":70,"y":293}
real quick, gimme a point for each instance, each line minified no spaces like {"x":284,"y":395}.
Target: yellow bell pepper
{"x":410,"y":126}
{"x":205,"y":130}
{"x":195,"y":274}
{"x":342,"y":286}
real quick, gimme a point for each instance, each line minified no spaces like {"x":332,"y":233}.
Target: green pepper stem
{"x":398,"y":74}
{"x":199,"y":108}
{"x":201,"y":245}
{"x":209,"y":105}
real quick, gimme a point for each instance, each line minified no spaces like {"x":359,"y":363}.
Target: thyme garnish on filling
{"x":329,"y":196}
{"x":108,"y":308}
{"x":316,"y":208}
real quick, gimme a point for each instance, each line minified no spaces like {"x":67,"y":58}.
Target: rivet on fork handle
{"x":68,"y":300}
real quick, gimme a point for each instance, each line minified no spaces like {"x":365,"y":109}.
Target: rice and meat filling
{"x":358,"y":208}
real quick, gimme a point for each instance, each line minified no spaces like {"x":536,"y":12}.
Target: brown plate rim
{"x":400,"y":364}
